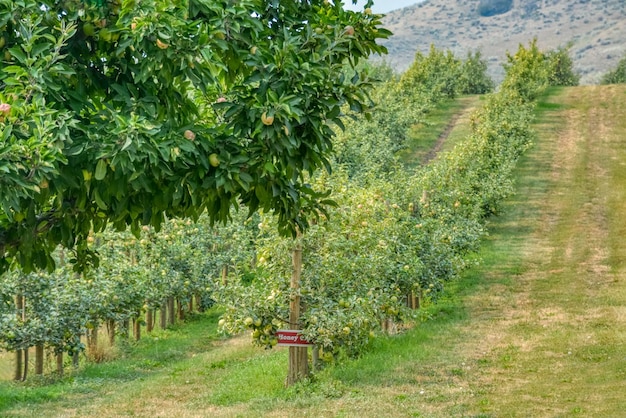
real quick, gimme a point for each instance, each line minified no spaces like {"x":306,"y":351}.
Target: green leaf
{"x":101,"y":170}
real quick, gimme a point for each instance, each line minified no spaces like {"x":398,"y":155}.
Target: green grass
{"x":436,"y":127}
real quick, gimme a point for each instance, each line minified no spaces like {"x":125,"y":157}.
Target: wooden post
{"x":298,"y":358}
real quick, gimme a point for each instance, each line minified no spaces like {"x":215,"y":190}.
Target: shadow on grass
{"x":160,"y":350}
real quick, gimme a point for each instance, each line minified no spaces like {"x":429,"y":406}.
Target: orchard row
{"x":389,"y":239}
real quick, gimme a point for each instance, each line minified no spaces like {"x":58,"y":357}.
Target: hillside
{"x":596,"y":29}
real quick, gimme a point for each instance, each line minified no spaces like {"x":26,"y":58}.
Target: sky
{"x":382,"y":6}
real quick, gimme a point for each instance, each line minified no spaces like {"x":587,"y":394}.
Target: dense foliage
{"x":125,"y":113}
{"x":561,"y":72}
{"x":616,"y":75}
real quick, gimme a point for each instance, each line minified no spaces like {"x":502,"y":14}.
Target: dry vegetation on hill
{"x":596,"y":29}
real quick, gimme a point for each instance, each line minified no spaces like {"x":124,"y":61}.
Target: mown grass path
{"x":547,"y":336}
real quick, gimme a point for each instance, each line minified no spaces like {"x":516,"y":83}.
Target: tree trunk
{"x":171,"y":312}
{"x":199,"y":306}
{"x":19,"y":307}
{"x":92,"y":339}
{"x":75,"y":359}
{"x":126,"y":326}
{"x":149,"y":320}
{"x":190,"y":305}
{"x":60,"y":364}
{"x":111,"y":331}
{"x":18,"y":365}
{"x":412,"y":301}
{"x":181,"y":311}
{"x":137,"y":329}
{"x":39,"y":357}
{"x":25,"y":373}
{"x":225,"y":274}
{"x":298,"y":359}
{"x":315,"y":358}
{"x":163,"y":315}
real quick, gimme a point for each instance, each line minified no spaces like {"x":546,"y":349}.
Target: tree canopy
{"x":126,"y":112}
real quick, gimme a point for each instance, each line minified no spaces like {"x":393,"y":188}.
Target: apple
{"x":106,"y":35}
{"x":214,"y":160}
{"x":349,"y":30}
{"x":368,"y":11}
{"x":248,"y":322}
{"x":253,"y":50}
{"x":267,"y":120}
{"x":221,"y":99}
{"x":190,"y":135}
{"x":89,"y":29}
{"x":161,"y":44}
{"x":2,"y":41}
{"x":5,"y":109}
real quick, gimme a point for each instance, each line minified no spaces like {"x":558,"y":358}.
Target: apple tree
{"x":124,"y":112}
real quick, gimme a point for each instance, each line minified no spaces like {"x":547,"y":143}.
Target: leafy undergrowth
{"x":537,"y":329}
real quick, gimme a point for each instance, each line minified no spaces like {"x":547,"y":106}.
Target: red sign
{"x":291,"y":337}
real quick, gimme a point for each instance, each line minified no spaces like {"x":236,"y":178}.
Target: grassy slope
{"x":536,"y":330}
{"x":427,"y":139}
